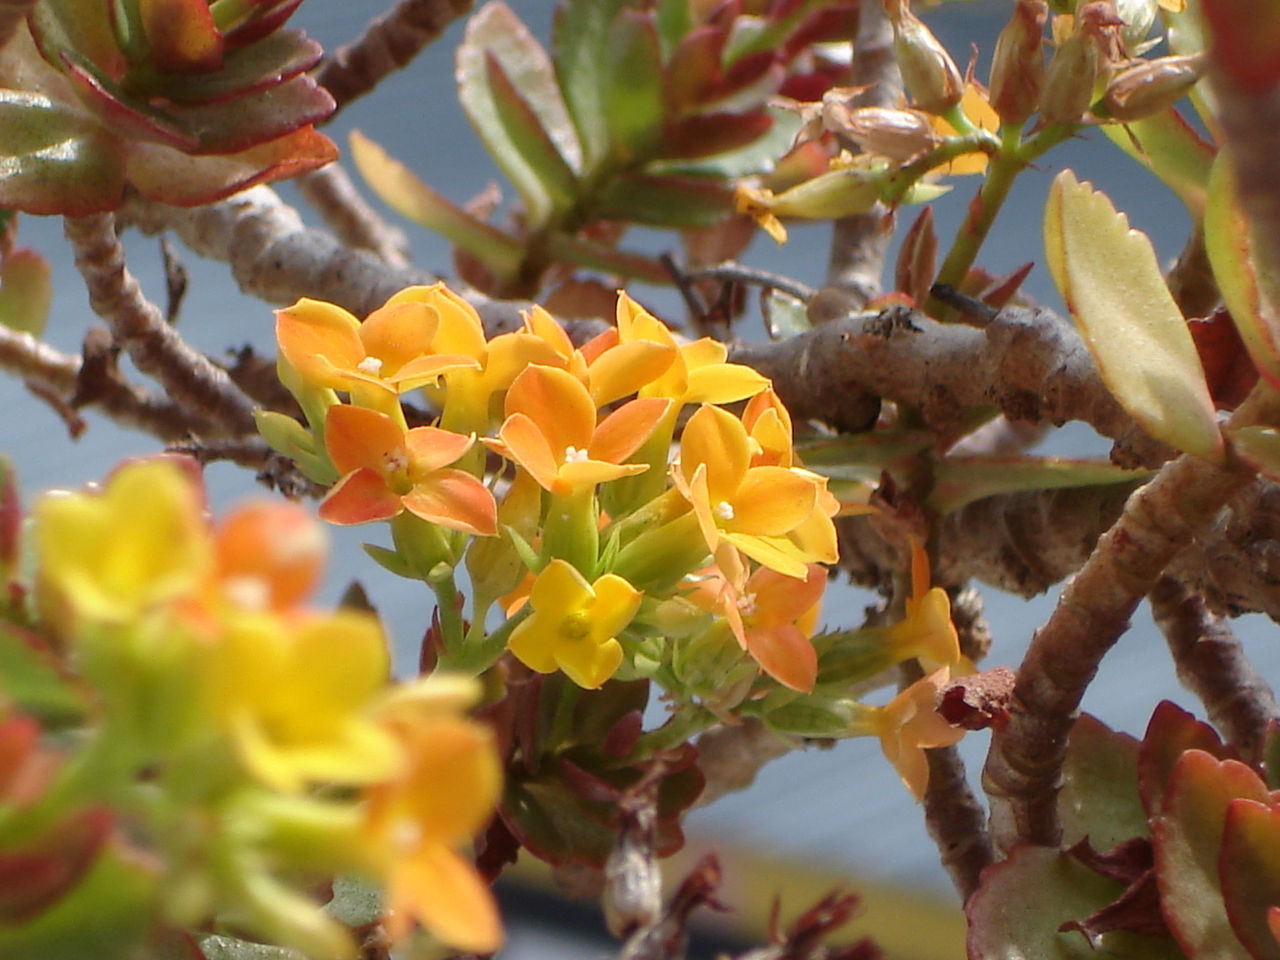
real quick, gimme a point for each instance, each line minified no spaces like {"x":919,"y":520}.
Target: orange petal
{"x":558,"y":403}
{"x":715,"y":438}
{"x":781,"y":599}
{"x":785,"y":654}
{"x":399,"y":332}
{"x":321,"y":340}
{"x":624,"y":430}
{"x":360,"y":497}
{"x":626,"y":368}
{"x":444,"y":893}
{"x":527,"y":446}
{"x":456,"y":500}
{"x":358,"y":437}
{"x":772,"y":501}
{"x":431,"y":448}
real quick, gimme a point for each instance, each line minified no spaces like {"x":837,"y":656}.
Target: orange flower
{"x":773,"y":617}
{"x":551,"y":431}
{"x":927,"y":633}
{"x":443,"y":795}
{"x":386,"y":469}
{"x":908,"y":725}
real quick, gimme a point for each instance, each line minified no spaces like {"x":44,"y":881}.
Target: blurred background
{"x":814,"y":819}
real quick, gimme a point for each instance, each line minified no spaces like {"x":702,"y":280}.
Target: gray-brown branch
{"x":139,"y":327}
{"x":1212,"y":664}
{"x":388,"y":44}
{"x":1024,"y":764}
{"x":332,"y":194}
{"x":1032,"y":365}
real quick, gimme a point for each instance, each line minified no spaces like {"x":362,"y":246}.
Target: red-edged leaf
{"x":267,"y":19}
{"x":633,"y":87}
{"x":10,"y":520}
{"x":34,"y":878}
{"x":1003,"y":289}
{"x":1188,"y":838}
{"x":1170,"y":733}
{"x":1023,"y":902}
{"x":1173,"y":150}
{"x":693,"y":69}
{"x":1249,"y":871}
{"x":172,"y":177}
{"x":270,"y":62}
{"x":182,"y":35}
{"x":1099,"y":796}
{"x":257,"y":118}
{"x":129,"y":120}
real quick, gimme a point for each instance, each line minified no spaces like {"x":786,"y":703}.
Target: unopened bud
{"x":896,"y":134}
{"x":928,"y":72}
{"x":1138,"y":17}
{"x":1068,"y":85}
{"x":1017,"y":67}
{"x":1150,"y":86}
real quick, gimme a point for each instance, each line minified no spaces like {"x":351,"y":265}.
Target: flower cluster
{"x":238,"y":744}
{"x":616,"y":518}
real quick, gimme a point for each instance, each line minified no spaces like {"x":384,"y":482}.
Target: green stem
{"x":689,"y":720}
{"x":446,"y":590}
{"x":476,"y":656}
{"x":1014,"y":156}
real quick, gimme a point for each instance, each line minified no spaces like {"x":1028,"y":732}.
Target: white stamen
{"x":247,"y":593}
{"x":747,"y":604}
{"x":396,"y":461}
{"x":724,"y":510}
{"x":573,"y":455}
{"x":406,"y":833}
{"x":370,"y":365}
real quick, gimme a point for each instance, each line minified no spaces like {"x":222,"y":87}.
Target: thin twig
{"x":1212,"y":664}
{"x":739,"y":273}
{"x":330,"y":191}
{"x":275,"y":470}
{"x":58,"y":375}
{"x":1025,"y":762}
{"x":137,"y":325}
{"x":388,"y":44}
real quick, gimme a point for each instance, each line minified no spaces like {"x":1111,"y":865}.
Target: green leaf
{"x":962,"y":480}
{"x":674,"y":20}
{"x":390,"y":560}
{"x":356,"y":902}
{"x":496,"y":31}
{"x":1099,"y":796}
{"x":579,"y":44}
{"x":663,"y":201}
{"x":1108,"y":276}
{"x":533,"y":142}
{"x":1249,"y":287}
{"x":634,"y":107}
{"x":26,"y":291}
{"x":759,"y":156}
{"x":401,"y":190}
{"x":862,"y":456}
{"x":218,"y":947}
{"x":31,"y":679}
{"x":784,"y":315}
{"x":1022,"y":901}
{"x":598,"y":256}
{"x":54,"y":160}
{"x":105,"y":917}
{"x":288,"y":437}
{"x":1170,"y":148}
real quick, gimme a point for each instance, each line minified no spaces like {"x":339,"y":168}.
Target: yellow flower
{"x":391,"y":352}
{"x":114,"y":555}
{"x":294,"y":696}
{"x":927,"y":633}
{"x":752,"y":509}
{"x":443,"y":795}
{"x":574,"y":623}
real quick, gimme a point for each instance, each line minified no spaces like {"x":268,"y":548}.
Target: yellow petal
{"x":444,"y":893}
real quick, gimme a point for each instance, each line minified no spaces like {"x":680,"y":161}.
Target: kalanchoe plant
{"x":184,"y":102}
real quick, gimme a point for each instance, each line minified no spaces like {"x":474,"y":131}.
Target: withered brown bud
{"x":896,"y":134}
{"x":1017,"y":67}
{"x":928,"y":72}
{"x":1068,"y":85}
{"x":1149,"y":86}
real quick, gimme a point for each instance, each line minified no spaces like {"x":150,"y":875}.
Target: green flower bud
{"x":1017,"y":66}
{"x":1068,"y":86}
